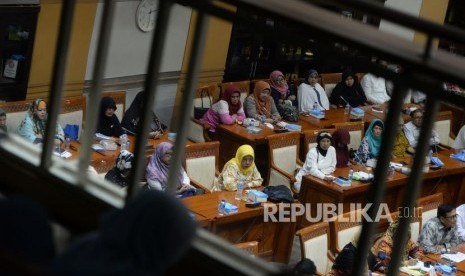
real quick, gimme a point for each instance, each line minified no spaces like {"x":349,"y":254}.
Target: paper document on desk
{"x":64,"y":154}
{"x":98,"y":147}
{"x":100,"y":136}
{"x":457,"y":257}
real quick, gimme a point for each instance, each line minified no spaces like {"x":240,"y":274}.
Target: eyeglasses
{"x":41,"y":110}
{"x":451,"y":217}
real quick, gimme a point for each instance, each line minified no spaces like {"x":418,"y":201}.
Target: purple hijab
{"x":157,"y":169}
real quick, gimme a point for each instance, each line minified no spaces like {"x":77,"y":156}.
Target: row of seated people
{"x":441,"y":232}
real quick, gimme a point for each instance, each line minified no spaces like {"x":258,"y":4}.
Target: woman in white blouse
{"x":321,"y":160}
{"x":311,"y":92}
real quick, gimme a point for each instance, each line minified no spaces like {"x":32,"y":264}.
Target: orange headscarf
{"x":263,"y":108}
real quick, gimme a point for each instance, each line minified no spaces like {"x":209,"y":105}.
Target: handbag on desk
{"x":201,"y":110}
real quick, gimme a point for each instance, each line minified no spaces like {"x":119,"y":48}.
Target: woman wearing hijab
{"x":348,"y":90}
{"x":371,"y":143}
{"x":280,"y":91}
{"x":341,"y":139}
{"x":3,"y":120}
{"x":401,"y":144}
{"x":32,"y":128}
{"x":345,"y":260}
{"x":119,"y":174}
{"x":158,"y":168}
{"x":240,"y":167}
{"x":226,"y":111}
{"x":311,"y":92}
{"x":320,"y":161}
{"x":381,"y":251}
{"x":132,"y":116}
{"x":261,"y":104}
{"x":108,"y":123}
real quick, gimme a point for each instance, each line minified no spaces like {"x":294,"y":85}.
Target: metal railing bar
{"x":151,"y":89}
{"x":186,"y":108}
{"x":93,"y":100}
{"x":56,"y":86}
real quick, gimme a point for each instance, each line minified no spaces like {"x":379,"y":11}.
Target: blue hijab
{"x":374,"y":141}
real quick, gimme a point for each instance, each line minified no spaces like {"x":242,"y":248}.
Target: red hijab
{"x":274,"y":83}
{"x":341,"y":139}
{"x":228,"y":92}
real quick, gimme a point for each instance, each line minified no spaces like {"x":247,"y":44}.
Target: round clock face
{"x":145,"y":15}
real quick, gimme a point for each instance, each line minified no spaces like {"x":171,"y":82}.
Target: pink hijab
{"x":274,"y":83}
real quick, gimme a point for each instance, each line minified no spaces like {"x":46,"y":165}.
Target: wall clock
{"x":145,"y":15}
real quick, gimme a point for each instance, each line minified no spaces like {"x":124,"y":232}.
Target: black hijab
{"x":354,"y":94}
{"x":109,"y":126}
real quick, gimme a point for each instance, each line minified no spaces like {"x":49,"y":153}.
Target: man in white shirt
{"x":459,"y":142}
{"x":412,"y":129}
{"x":311,"y":92}
{"x":375,"y":89}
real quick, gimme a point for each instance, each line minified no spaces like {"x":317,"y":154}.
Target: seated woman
{"x":108,"y":123}
{"x":320,"y":161}
{"x":280,"y":91}
{"x":311,"y":92}
{"x":132,"y":116}
{"x":261,"y":104}
{"x":120,"y":172}
{"x":380,"y":254}
{"x":226,"y":111}
{"x":348,"y":90}
{"x":341,"y":139}
{"x":3,"y":120}
{"x":240,"y":167}
{"x":345,"y":260}
{"x":32,"y":128}
{"x":158,"y":168}
{"x":371,"y":143}
{"x":401,"y":144}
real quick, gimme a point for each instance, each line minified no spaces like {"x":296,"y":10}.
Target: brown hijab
{"x":341,"y":139}
{"x":263,"y":107}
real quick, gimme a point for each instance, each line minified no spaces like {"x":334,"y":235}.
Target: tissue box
{"x":357,"y":112}
{"x":342,"y":182}
{"x":229,"y":208}
{"x":257,"y":196}
{"x":317,"y":114}
{"x":293,"y":127}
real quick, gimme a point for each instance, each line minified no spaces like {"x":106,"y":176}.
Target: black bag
{"x":200,"y":111}
{"x":279,"y":193}
{"x":288,"y":112}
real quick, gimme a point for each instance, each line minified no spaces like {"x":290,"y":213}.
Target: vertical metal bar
{"x":93,"y":99}
{"x":377,"y":190}
{"x":151,"y":88}
{"x":414,"y":181}
{"x":427,"y":52}
{"x":195,"y":59}
{"x":56,"y":87}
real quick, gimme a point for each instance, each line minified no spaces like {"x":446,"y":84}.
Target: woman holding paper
{"x":348,"y":90}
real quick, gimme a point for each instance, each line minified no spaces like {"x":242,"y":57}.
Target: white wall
{"x":411,"y":7}
{"x":130,"y":48}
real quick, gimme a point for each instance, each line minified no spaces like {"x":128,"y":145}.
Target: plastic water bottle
{"x":221,"y":207}
{"x":347,"y":109}
{"x":240,"y":189}
{"x":351,"y":174}
{"x":67,"y":143}
{"x":315,"y":108}
{"x":454,"y":271}
{"x":391,"y":172}
{"x":123,"y":139}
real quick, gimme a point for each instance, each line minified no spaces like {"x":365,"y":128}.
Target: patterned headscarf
{"x":309,"y":73}
{"x":228,"y":92}
{"x":124,"y":161}
{"x":274,"y":83}
{"x":263,"y":108}
{"x":242,"y":152}
{"x":374,"y":141}
{"x":3,"y":113}
{"x":157,"y":169}
{"x":39,"y":125}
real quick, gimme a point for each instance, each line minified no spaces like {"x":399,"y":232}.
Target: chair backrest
{"x":120,"y":99}
{"x":196,"y":131}
{"x":314,"y":244}
{"x":72,"y":112}
{"x":415,"y":221}
{"x":201,"y":163}
{"x":443,"y":126}
{"x":244,"y":86}
{"x":250,"y":247}
{"x":205,"y":96}
{"x":359,"y":76}
{"x":343,"y":228}
{"x":329,"y":81}
{"x":309,"y":140}
{"x":15,"y":113}
{"x":429,"y":205}
{"x":284,"y":150}
{"x":356,"y":131}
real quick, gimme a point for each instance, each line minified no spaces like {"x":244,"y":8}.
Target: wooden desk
{"x":275,"y":238}
{"x":437,"y":259}
{"x":450,"y":180}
